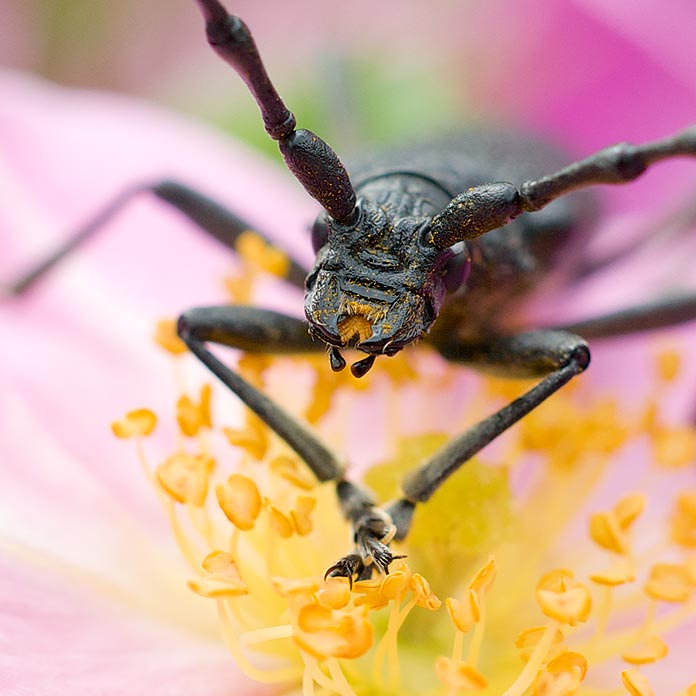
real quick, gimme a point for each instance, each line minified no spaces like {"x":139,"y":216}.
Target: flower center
{"x":544,"y":590}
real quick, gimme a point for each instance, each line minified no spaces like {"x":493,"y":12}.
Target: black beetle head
{"x":377,"y":283}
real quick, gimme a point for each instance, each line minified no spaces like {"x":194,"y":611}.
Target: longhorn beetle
{"x":427,"y":241}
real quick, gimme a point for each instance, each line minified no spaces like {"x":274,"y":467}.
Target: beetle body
{"x":382,"y":268}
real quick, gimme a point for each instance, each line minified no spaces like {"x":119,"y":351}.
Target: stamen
{"x":167,"y":338}
{"x":650,"y":650}
{"x":240,"y":500}
{"x":636,"y":684}
{"x":255,"y":251}
{"x":138,"y":423}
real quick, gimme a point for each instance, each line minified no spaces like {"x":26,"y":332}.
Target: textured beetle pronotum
{"x":428,"y":242}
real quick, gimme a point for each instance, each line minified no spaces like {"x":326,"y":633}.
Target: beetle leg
{"x":557,"y":354}
{"x":645,"y":317}
{"x":260,"y":331}
{"x":211,"y":217}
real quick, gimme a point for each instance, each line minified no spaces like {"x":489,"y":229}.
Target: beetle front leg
{"x":258,"y":331}
{"x":559,"y":355}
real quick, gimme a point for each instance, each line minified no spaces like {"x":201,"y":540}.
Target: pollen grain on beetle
{"x":495,"y":596}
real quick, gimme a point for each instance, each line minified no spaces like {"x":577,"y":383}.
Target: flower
{"x":95,"y":596}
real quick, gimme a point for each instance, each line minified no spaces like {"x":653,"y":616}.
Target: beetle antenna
{"x":313,"y":163}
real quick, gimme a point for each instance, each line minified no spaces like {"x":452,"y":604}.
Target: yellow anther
{"x":325,"y":632}
{"x":253,"y":249}
{"x":650,"y":650}
{"x":669,"y":363}
{"x":355,"y":326}
{"x":563,"y":598}
{"x":335,"y":593}
{"x":684,"y":520}
{"x":562,"y":676}
{"x":617,"y":573}
{"x":136,"y":423}
{"x":669,"y":582}
{"x":185,"y":477}
{"x":423,"y":594}
{"x":555,"y":580}
{"x":394,"y":584}
{"x":221,"y":578}
{"x":368,"y":594}
{"x":253,"y":440}
{"x":300,"y":515}
{"x":294,"y":587}
{"x":252,"y":367}
{"x":674,"y":447}
{"x":464,"y":614}
{"x":459,"y":676}
{"x":193,"y":416}
{"x":167,"y":338}
{"x":322,"y":395}
{"x":607,"y":532}
{"x":280,"y":523}
{"x":290,"y":470}
{"x":528,"y":640}
{"x":483,"y":580}
{"x":636,"y":684}
{"x":628,"y":509}
{"x":240,"y":500}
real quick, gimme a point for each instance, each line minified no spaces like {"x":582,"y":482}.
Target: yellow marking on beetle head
{"x":355,"y":325}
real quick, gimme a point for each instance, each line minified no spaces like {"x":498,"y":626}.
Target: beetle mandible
{"x":430,"y":242}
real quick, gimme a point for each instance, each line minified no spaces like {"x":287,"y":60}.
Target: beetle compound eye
{"x":458,"y":267}
{"x":320,"y":232}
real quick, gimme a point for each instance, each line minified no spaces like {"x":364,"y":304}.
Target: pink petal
{"x":59,"y":636}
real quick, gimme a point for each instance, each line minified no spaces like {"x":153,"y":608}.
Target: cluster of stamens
{"x":258,"y":533}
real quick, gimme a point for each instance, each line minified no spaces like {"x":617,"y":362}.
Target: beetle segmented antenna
{"x":313,"y":163}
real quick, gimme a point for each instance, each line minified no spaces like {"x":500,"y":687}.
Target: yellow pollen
{"x":280,"y":523}
{"x":562,"y":676}
{"x":355,"y":326}
{"x":669,"y":582}
{"x":669,"y":364}
{"x":221,"y":577}
{"x":650,"y":650}
{"x":300,"y":515}
{"x":192,"y":416}
{"x":240,"y":500}
{"x":335,"y":593}
{"x":290,"y":470}
{"x":253,"y":439}
{"x":185,"y":477}
{"x":459,"y":676}
{"x":255,"y":251}
{"x":618,"y":573}
{"x":636,"y":684}
{"x":166,"y":337}
{"x":464,"y":615}
{"x":684,"y":520}
{"x":562,"y":598}
{"x":140,"y":422}
{"x":528,"y":640}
